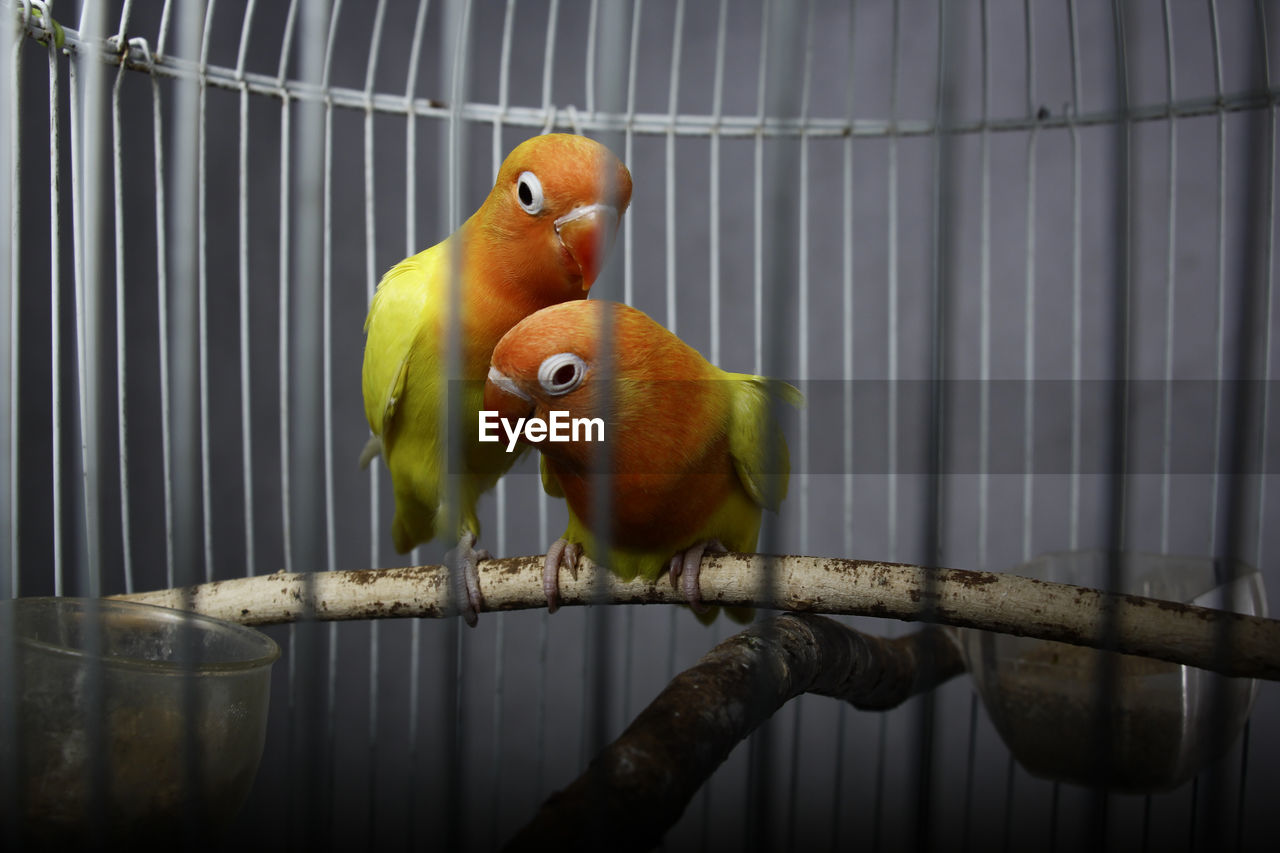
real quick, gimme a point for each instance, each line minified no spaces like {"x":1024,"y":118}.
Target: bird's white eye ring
{"x":529,"y":193}
{"x":561,"y":373}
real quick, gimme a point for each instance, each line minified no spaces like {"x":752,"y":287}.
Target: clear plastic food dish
{"x":1162,"y":723}
{"x":134,"y":724}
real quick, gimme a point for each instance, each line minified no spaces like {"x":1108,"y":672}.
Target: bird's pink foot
{"x":561,"y":553}
{"x":685,"y":568}
{"x":464,"y":560}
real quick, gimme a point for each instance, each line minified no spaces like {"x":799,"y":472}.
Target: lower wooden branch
{"x":639,"y":785}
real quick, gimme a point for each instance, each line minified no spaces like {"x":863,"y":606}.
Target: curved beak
{"x":587,"y":233}
{"x":503,"y":395}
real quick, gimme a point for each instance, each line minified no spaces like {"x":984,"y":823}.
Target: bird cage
{"x":1018,"y":256}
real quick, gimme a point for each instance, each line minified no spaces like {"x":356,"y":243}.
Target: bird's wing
{"x":397,"y":317}
{"x":756,"y":443}
{"x":550,"y":484}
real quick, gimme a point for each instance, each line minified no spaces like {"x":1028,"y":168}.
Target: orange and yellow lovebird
{"x":539,"y":238}
{"x":695,"y":455}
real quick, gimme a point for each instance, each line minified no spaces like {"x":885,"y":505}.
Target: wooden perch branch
{"x":639,"y":785}
{"x":1006,"y":603}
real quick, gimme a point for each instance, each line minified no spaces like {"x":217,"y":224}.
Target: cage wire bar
{"x":10,"y":199}
{"x":934,"y":194}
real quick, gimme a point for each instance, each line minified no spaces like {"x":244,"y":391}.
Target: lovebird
{"x":695,"y":454}
{"x":540,"y":238}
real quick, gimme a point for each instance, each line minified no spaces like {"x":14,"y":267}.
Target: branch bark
{"x":639,"y":785}
{"x":1180,"y":633}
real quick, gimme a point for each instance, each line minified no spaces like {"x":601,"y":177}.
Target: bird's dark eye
{"x":529,"y":192}
{"x":561,"y":373}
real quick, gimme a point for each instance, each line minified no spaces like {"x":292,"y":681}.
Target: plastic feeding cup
{"x":1162,"y":722}
{"x":133,"y":723}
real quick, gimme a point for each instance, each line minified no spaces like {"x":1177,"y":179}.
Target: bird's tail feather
{"x":372,"y":449}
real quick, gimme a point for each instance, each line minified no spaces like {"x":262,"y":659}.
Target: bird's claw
{"x":685,"y":568}
{"x":561,"y":553}
{"x":465,"y":559}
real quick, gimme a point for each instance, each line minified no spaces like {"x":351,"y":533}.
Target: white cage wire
{"x":1005,"y":195}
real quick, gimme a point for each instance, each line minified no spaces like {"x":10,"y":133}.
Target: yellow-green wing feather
{"x":402,"y":306}
{"x":756,"y":443}
{"x":401,"y":384}
{"x":550,"y":484}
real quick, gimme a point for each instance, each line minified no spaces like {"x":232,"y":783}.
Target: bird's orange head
{"x":543,"y":361}
{"x":554,"y":211}
{"x":548,"y":360}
